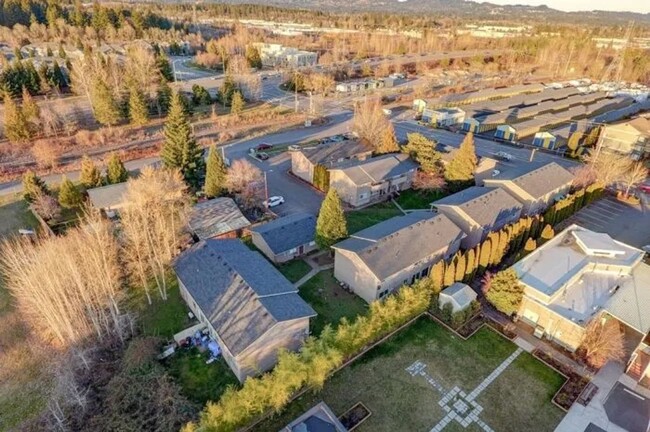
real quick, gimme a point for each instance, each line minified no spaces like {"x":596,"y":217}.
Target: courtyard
{"x":426,"y":378}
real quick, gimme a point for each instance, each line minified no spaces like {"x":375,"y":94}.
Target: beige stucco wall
{"x":556,"y":327}
{"x":302,"y":167}
{"x":349,"y":269}
{"x":262,"y":355}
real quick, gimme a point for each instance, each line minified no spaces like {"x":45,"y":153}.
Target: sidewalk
{"x":315,"y":267}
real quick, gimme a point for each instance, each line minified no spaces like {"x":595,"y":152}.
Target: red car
{"x":645,"y":188}
{"x":264,"y":146}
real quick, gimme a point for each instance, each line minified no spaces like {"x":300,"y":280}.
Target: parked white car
{"x":274,"y":201}
{"x":503,"y":156}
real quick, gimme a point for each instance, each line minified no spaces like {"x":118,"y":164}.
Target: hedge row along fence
{"x":321,"y":356}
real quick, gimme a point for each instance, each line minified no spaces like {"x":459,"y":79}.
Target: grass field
{"x":413,"y":200}
{"x":517,"y":400}
{"x":330,"y":301}
{"x":294,"y":270}
{"x":364,"y":218}
{"x":22,"y":383}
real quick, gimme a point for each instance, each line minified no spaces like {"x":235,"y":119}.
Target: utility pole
{"x":266,"y":190}
{"x":295,"y":88}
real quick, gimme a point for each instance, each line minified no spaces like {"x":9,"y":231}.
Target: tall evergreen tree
{"x":547,"y":234}
{"x":90,"y":176}
{"x":461,"y":267}
{"x":16,"y":126}
{"x":31,"y":111}
{"x":470,"y":264}
{"x":459,"y":173}
{"x":138,"y":109}
{"x":437,"y":276}
{"x":484,"y":256}
{"x":388,"y":142}
{"x":215,"y":174}
{"x":116,"y":172}
{"x":253,"y":57}
{"x":33,"y":186}
{"x":105,"y":107}
{"x":180,"y":150}
{"x":423,"y":150}
{"x":450,"y":273}
{"x":69,"y":195}
{"x":505,"y":292}
{"x":164,"y":98}
{"x":237,"y":104}
{"x":331,"y":225}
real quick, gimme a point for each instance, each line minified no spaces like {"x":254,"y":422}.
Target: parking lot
{"x":624,"y":222}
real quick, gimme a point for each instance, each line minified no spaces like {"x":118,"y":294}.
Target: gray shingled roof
{"x":535,"y":179}
{"x":399,"y":242}
{"x":378,"y":169}
{"x":239,"y":292}
{"x":215,"y":217}
{"x":332,"y":154}
{"x":488,"y":207}
{"x":288,"y":232}
{"x":110,"y":196}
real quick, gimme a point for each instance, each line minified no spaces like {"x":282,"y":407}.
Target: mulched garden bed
{"x":354,"y":416}
{"x":574,"y":385}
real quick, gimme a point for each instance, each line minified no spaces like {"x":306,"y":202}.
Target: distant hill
{"x":458,"y":8}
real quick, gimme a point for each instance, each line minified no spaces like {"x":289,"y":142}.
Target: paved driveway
{"x":298,"y":195}
{"x":626,"y":223}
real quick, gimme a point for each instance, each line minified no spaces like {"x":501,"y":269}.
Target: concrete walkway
{"x":315,"y":269}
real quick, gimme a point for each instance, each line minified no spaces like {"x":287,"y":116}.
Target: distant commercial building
{"x":367,"y":84}
{"x":277,"y":55}
{"x":443,"y":117}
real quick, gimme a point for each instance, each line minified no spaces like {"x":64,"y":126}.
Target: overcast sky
{"x":642,"y":6}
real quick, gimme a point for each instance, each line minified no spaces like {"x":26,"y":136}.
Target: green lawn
{"x":330,"y":301}
{"x":519,"y":399}
{"x":162,"y":318}
{"x":15,"y":215}
{"x":200,"y":382}
{"x":294,"y":270}
{"x":414,"y":200}
{"x":361,"y":219}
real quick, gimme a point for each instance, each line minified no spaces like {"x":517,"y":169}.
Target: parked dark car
{"x":264,"y":146}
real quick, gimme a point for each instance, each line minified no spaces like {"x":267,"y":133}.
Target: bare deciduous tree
{"x":369,"y":121}
{"x":428,"y":181}
{"x":608,"y":168}
{"x":67,"y":288}
{"x":46,"y":152}
{"x":152,"y":224}
{"x":635,"y":175}
{"x":47,"y":207}
{"x":246,"y":180}
{"x":603,"y":342}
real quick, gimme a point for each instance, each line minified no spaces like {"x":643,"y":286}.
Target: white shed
{"x":459,"y":295}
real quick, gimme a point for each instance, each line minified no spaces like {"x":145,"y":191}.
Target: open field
{"x":364,"y":218}
{"x":330,"y":301}
{"x":517,"y":398}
